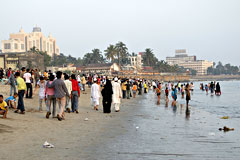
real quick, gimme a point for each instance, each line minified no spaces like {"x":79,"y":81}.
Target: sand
{"x":22,"y":136}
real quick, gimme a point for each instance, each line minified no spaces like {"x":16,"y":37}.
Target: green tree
{"x":93,"y":58}
{"x":122,"y":51}
{"x":149,"y":58}
{"x":111,"y":52}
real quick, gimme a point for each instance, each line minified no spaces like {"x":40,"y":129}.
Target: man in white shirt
{"x":28,"y":80}
{"x":95,"y":94}
{"x":68,"y":84}
{"x":117,"y":94}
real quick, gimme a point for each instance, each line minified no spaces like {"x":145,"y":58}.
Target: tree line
{"x":117,"y":53}
{"x":223,"y":69}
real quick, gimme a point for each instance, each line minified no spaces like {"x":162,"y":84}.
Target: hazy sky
{"x":210,"y":29}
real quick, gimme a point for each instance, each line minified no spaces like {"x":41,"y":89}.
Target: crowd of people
{"x":63,"y":90}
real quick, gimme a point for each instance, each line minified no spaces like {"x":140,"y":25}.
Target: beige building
{"x":180,"y":56}
{"x":182,"y":59}
{"x":200,"y":66}
{"x":23,"y":42}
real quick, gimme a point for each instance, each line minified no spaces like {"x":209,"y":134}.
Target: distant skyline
{"x":209,"y":29}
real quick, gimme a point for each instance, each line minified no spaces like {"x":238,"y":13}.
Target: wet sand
{"x":142,"y":130}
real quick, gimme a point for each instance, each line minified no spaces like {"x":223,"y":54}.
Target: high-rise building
{"x":23,"y":42}
{"x":182,"y":59}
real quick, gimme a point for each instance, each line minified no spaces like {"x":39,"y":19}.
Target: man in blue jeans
{"x":22,"y":89}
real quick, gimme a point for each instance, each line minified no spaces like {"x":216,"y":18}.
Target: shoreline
{"x":215,"y":78}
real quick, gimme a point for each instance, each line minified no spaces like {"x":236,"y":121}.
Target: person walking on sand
{"x":50,"y":97}
{"x":60,"y":93}
{"x":117,"y":94}
{"x":41,"y":84}
{"x":28,"y":79}
{"x":75,"y":93}
{"x":68,"y":84}
{"x":107,"y":97}
{"x":95,"y":94}
{"x":12,"y":83}
{"x":22,"y":88}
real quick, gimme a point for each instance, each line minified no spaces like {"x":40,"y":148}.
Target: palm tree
{"x":97,"y":56}
{"x":122,"y":51}
{"x":149,"y":58}
{"x":111,"y":52}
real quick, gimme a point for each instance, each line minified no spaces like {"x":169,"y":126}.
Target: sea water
{"x":225,"y":105}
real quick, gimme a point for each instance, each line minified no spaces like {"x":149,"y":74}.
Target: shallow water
{"x":154,"y":131}
{"x":225,"y":105}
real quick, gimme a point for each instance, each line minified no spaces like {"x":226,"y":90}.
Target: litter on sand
{"x":86,"y":119}
{"x":48,"y":145}
{"x":226,"y":129}
{"x":225,"y":117}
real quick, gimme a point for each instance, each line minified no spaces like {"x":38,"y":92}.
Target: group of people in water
{"x":212,"y":87}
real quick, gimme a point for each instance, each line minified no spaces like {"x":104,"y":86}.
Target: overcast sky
{"x":209,"y":29}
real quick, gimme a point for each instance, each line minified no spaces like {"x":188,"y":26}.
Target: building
{"x":180,"y":56}
{"x":182,"y":59}
{"x":135,"y":63}
{"x":22,"y":42}
{"x":21,"y":59}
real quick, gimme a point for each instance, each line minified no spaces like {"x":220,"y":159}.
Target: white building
{"x":23,"y":42}
{"x":182,"y":59}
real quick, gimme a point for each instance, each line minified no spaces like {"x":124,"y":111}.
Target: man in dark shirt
{"x":60,"y":93}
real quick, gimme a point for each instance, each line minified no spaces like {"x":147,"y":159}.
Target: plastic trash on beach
{"x":48,"y":145}
{"x":137,"y":127}
{"x":86,"y":119}
{"x":211,"y":134}
{"x":225,"y":117}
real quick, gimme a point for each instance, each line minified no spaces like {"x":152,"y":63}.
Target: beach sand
{"x":141,"y":130}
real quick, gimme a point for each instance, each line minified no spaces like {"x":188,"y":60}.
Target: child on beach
{"x":174,"y":95}
{"x":188,"y":97}
{"x":206,"y":88}
{"x":41,"y":85}
{"x":182,"y":90}
{"x":158,"y":92}
{"x":134,"y":90}
{"x":11,"y":101}
{"x":166,"y":95}
{"x":3,"y":107}
{"x":50,"y":97}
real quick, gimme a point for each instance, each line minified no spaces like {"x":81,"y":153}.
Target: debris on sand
{"x":225,"y":117}
{"x":226,"y":129}
{"x":48,"y":145}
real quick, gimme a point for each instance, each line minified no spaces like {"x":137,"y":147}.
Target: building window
{"x":22,"y":46}
{"x":16,"y":46}
{"x":12,"y":62}
{"x":7,"y":46}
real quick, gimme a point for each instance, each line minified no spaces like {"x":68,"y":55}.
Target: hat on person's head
{"x":95,"y":79}
{"x":115,"y":79}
